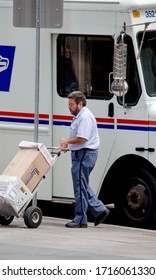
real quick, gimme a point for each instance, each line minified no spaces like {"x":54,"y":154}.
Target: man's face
{"x":73,"y":107}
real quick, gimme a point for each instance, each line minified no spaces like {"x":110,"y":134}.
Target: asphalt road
{"x":53,"y":241}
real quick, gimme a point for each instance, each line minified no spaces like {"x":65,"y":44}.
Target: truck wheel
{"x":33,"y":217}
{"x":136,"y":198}
{"x":6,"y":220}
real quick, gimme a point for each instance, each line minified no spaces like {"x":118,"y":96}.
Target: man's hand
{"x":63,"y":143}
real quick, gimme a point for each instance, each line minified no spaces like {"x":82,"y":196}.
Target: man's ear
{"x":81,"y":103}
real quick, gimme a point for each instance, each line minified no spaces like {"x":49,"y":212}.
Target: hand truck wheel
{"x":33,"y":217}
{"x":6,"y":220}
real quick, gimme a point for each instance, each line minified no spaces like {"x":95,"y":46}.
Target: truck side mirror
{"x":119,"y":86}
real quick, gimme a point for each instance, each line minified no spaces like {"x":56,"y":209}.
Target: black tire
{"x":136,"y":198}
{"x":33,"y":217}
{"x":6,"y":220}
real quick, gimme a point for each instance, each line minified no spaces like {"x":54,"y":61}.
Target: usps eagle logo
{"x":6,"y":66}
{"x":4,"y":63}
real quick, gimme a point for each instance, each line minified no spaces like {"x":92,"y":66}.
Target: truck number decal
{"x":150,"y":14}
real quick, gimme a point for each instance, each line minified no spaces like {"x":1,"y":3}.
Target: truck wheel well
{"x":107,"y":192}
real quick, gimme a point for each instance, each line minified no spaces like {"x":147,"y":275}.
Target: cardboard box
{"x":14,"y":195}
{"x":30,"y":164}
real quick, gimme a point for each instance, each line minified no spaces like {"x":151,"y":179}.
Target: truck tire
{"x":136,"y":198}
{"x":33,"y":217}
{"x":6,"y":220}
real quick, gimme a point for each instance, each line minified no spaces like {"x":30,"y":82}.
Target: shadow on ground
{"x":66,"y":211}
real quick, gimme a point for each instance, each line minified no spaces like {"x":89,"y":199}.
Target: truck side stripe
{"x":64,"y":120}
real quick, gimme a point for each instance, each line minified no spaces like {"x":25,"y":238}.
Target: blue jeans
{"x":83,"y":162}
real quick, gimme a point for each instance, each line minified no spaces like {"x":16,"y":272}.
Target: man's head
{"x":76,"y":100}
{"x":78,"y":97}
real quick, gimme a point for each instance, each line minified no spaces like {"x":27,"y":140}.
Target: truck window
{"x":132,"y":77}
{"x":148,"y":60}
{"x":84,"y":63}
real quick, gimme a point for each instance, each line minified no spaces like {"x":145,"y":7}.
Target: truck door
{"x":148,"y":61}
{"x":83,"y":63}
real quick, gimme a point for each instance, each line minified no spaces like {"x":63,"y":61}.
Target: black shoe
{"x":72,"y":224}
{"x":101,"y":217}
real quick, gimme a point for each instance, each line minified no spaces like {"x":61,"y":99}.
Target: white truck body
{"x":125,"y":171}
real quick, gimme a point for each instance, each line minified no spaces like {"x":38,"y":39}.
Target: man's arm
{"x":76,"y":140}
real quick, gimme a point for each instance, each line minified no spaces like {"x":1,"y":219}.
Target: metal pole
{"x":36,"y":117}
{"x":37,"y":80}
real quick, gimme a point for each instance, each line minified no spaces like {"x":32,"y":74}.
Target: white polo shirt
{"x":84,"y":125}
